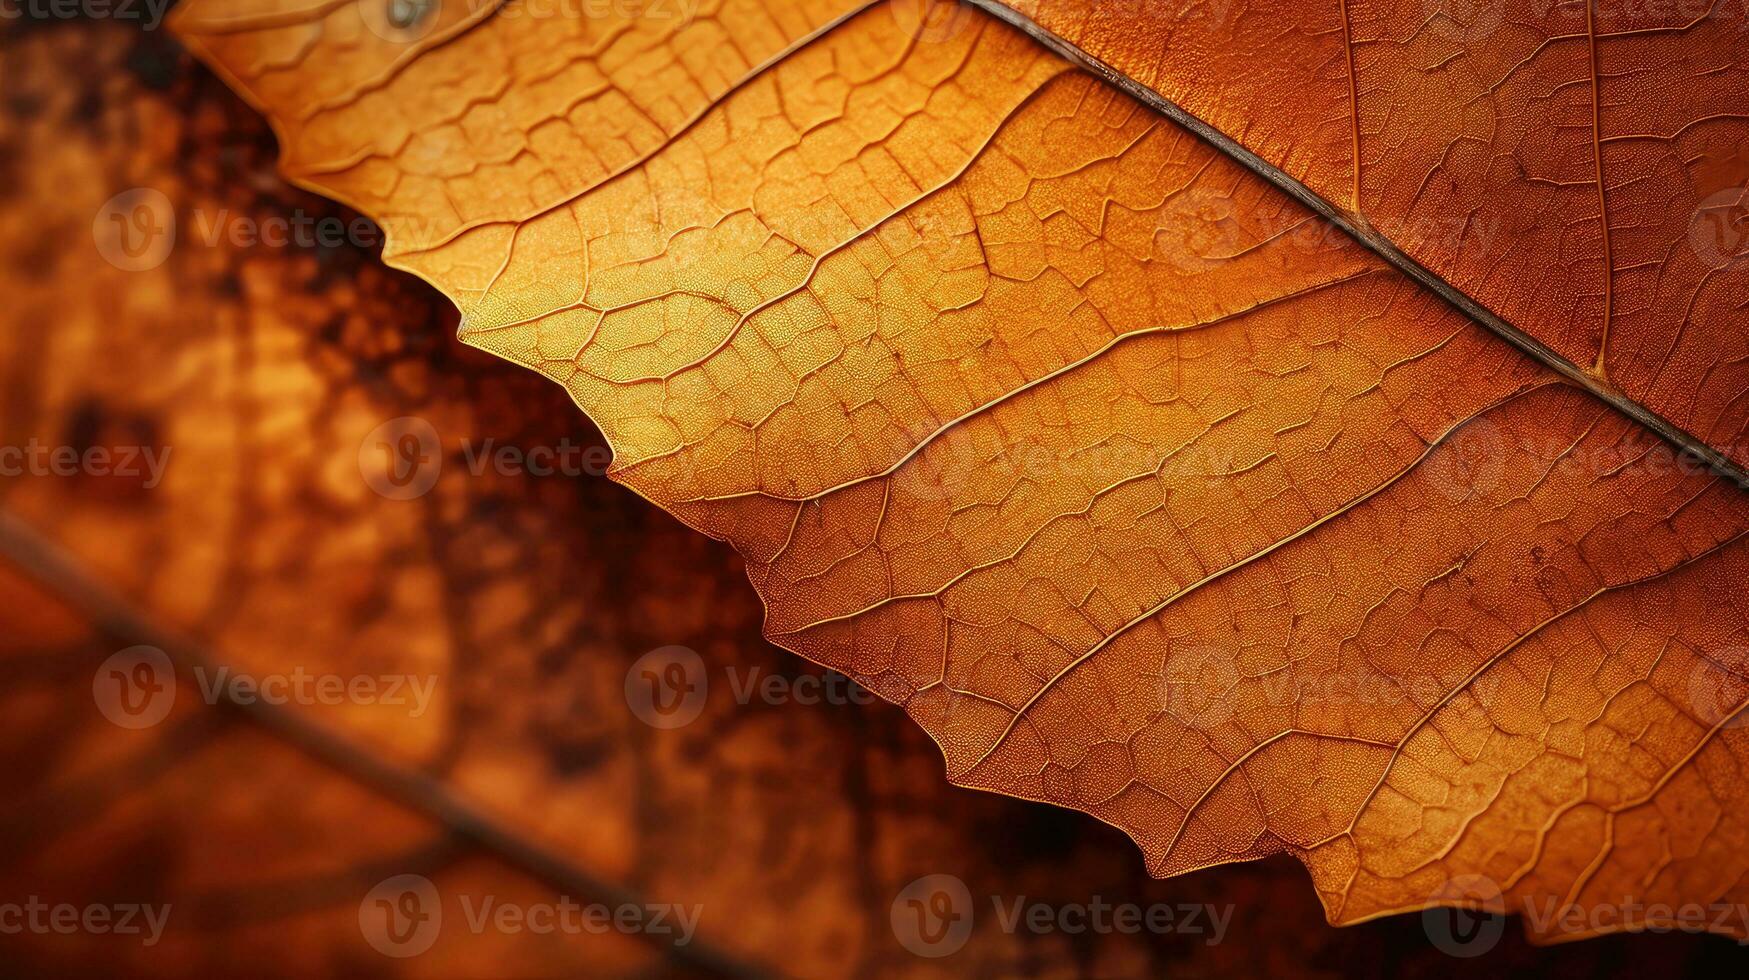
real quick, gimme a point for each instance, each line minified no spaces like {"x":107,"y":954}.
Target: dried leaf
{"x":261,"y":370}
{"x":1142,"y":490}
{"x":1488,"y":140}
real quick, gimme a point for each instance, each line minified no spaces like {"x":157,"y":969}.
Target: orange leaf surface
{"x":1141,"y":488}
{"x":1580,"y":168}
{"x":260,"y":546}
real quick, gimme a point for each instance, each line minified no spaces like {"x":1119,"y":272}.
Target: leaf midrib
{"x":1375,"y":242}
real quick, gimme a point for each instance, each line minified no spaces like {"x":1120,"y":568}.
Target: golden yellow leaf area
{"x":1142,"y":490}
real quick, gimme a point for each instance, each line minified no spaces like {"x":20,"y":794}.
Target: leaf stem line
{"x":1381,"y":246}
{"x":49,"y":564}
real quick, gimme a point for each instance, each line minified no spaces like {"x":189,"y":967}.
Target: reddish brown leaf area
{"x":1580,"y":168}
{"x":524,"y":600}
{"x":1141,"y":492}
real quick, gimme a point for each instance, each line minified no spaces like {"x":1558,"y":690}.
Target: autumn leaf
{"x":1062,"y":408}
{"x":1578,"y":169}
{"x":263,"y":548}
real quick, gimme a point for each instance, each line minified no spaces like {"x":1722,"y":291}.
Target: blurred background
{"x":327,"y":649}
